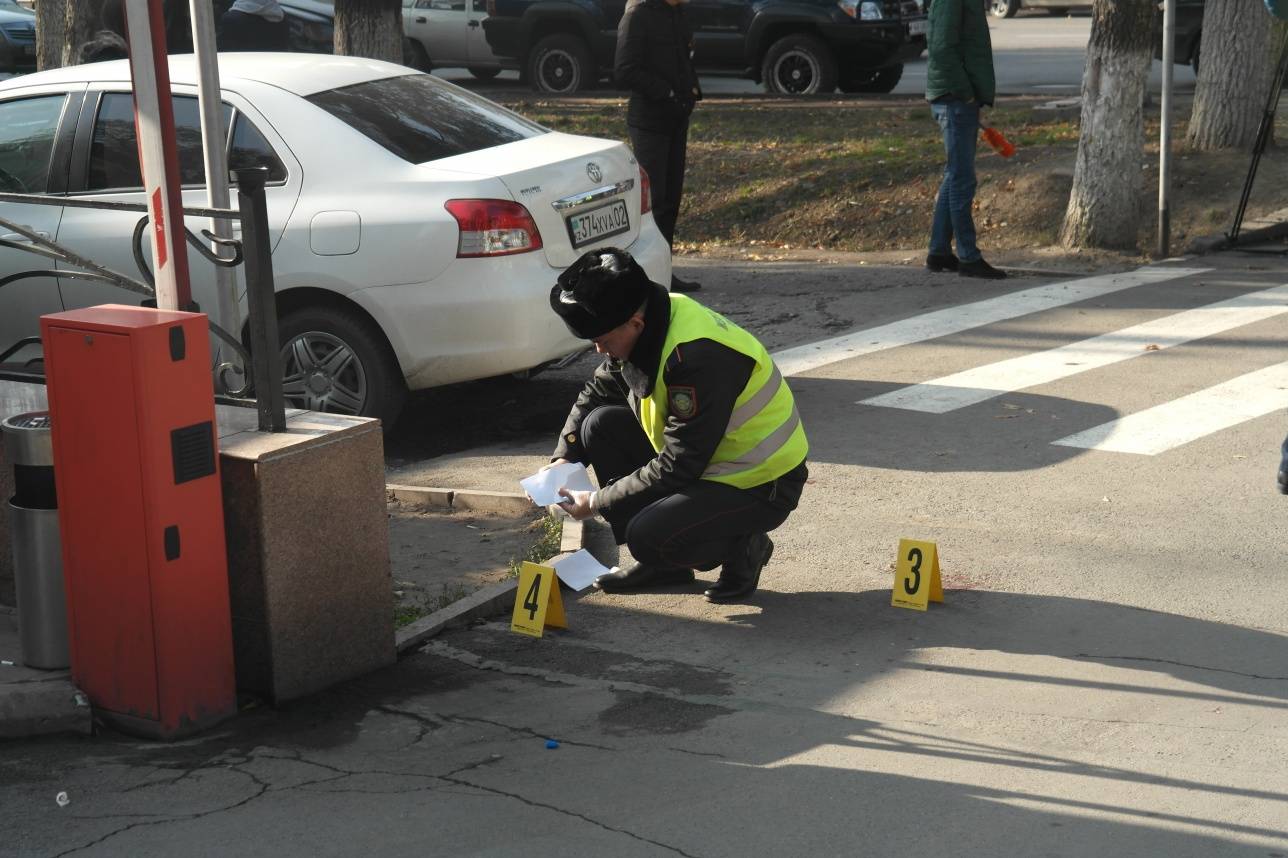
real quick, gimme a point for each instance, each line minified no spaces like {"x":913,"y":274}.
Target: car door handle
{"x":474,"y":23}
{"x":420,"y":20}
{"x":22,"y":239}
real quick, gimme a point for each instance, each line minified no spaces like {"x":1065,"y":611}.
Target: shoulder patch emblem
{"x":684,"y":402}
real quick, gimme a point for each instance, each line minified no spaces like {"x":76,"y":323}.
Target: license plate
{"x":587,"y":227}
{"x":29,"y":50}
{"x":918,"y":28}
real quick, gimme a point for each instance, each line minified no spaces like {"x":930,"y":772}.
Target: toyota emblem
{"x":592,"y":170}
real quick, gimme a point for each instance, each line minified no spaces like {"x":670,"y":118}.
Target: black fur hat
{"x":600,"y":291}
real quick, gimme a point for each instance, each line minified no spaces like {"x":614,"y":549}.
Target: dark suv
{"x":794,"y":47}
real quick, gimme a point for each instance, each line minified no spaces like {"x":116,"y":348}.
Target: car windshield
{"x":12,"y":6}
{"x":420,"y":118}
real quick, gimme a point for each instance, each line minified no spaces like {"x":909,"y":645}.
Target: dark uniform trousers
{"x":662,"y":155}
{"x":698,"y":527}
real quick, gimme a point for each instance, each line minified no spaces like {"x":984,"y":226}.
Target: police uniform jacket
{"x":710,"y":374}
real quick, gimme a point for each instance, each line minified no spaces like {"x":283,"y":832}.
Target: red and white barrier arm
{"x":158,"y":152}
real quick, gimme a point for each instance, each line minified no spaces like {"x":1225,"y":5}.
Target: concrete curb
{"x":500,"y":503}
{"x":41,"y":707}
{"x":1276,"y":226}
{"x":489,"y":601}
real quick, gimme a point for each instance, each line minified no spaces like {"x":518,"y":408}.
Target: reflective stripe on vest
{"x":764,"y":438}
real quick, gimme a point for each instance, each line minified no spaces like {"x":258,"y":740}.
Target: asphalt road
{"x":1033,"y":54}
{"x":1105,"y":676}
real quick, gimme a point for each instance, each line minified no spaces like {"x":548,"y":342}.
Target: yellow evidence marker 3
{"x":916,"y":576}
{"x":537,"y":604}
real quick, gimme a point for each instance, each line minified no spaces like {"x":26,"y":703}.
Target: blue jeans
{"x":959,"y":121}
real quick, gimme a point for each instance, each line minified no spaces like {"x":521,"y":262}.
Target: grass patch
{"x":831,"y":175}
{"x":423,"y":606}
{"x":549,"y":531}
{"x":770,"y":175}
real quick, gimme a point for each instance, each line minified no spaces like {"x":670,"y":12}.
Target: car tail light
{"x":491,"y":8}
{"x":493,"y":228}
{"x":646,"y":193}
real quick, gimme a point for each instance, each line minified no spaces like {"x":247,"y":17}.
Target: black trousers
{"x":698,"y":527}
{"x":662,"y":155}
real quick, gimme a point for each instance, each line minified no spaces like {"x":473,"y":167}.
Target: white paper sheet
{"x":579,"y":569}
{"x":543,"y":487}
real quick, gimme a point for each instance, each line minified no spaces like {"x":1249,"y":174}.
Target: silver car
{"x":449,"y":34}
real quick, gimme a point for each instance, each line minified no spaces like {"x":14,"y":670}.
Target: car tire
{"x":484,"y":74}
{"x":334,"y":360}
{"x":1004,"y":8}
{"x":561,"y":65}
{"x":799,"y":64}
{"x":415,"y":55}
{"x":874,"y":80}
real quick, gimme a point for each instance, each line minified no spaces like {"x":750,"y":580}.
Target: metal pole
{"x":261,"y":300}
{"x":1165,"y":132}
{"x":213,"y":140}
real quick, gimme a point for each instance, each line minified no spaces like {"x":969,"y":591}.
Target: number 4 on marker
{"x":537,"y":604}
{"x":916,"y":576}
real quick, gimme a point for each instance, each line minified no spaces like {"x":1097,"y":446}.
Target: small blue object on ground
{"x":551,"y":744}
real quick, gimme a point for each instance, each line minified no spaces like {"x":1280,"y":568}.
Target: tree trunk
{"x":1239,"y":50}
{"x":369,"y":28}
{"x":1105,"y":203}
{"x":84,"y":19}
{"x":51,"y":24}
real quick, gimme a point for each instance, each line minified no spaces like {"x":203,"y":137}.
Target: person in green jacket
{"x":959,"y":83}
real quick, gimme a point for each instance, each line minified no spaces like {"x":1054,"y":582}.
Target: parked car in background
{"x":793,"y":47}
{"x":17,"y":37}
{"x":416,"y":227}
{"x":1008,"y":8}
{"x":449,"y":34}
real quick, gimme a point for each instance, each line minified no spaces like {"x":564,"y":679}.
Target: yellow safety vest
{"x":764,"y":438}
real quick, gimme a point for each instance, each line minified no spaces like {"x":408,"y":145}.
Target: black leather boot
{"x":937,"y":262}
{"x":642,"y":576}
{"x":740,"y":575}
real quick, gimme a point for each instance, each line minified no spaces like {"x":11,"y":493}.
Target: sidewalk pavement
{"x":39,"y":702}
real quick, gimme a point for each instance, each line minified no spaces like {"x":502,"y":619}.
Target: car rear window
{"x":420,"y":118}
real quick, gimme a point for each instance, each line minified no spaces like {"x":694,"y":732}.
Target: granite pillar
{"x":308,"y":553}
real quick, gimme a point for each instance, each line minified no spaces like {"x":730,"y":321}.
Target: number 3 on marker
{"x":914,"y":557}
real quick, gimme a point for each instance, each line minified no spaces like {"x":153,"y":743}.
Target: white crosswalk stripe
{"x":1163,"y":427}
{"x":953,"y":320}
{"x":973,"y":386}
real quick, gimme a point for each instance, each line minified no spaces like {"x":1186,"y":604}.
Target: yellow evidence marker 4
{"x":916,"y":576}
{"x":537,"y":604}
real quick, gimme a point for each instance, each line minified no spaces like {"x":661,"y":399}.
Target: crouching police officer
{"x":691,"y":430}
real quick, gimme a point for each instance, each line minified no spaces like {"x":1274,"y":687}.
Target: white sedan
{"x":416,"y":227}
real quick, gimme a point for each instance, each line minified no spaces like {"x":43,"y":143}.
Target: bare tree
{"x":369,"y":28}
{"x":1240,"y":47}
{"x":1105,"y":203}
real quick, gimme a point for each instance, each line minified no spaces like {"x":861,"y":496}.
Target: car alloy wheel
{"x":320,"y":372}
{"x":796,"y":72}
{"x":1004,"y":8}
{"x":562,"y":64}
{"x":799,"y":64}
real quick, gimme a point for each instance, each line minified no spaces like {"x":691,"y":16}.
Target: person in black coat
{"x":655,"y":62}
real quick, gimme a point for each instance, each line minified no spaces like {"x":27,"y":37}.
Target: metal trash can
{"x":37,"y":551}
